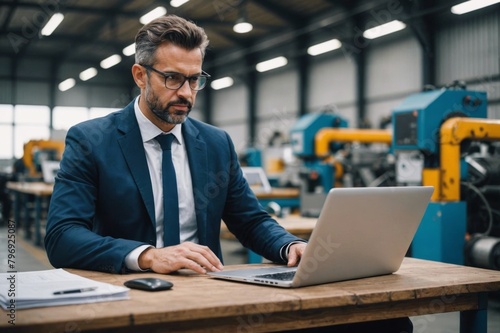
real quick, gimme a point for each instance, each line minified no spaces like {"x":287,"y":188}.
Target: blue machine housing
{"x":418,"y":119}
{"x":417,"y":123}
{"x":304,"y":130}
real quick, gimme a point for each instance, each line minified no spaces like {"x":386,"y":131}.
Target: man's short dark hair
{"x":168,"y":29}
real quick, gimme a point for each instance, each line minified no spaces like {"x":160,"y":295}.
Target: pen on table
{"x":74,"y":291}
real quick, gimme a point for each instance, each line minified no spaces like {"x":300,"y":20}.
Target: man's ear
{"x":140,"y":76}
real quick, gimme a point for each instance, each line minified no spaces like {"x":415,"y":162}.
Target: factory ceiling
{"x":94,"y":29}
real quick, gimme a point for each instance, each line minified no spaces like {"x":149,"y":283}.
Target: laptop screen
{"x":257,"y":179}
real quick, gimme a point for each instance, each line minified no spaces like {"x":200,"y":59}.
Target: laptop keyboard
{"x":282,"y":276}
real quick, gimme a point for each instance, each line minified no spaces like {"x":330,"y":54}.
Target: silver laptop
{"x":49,"y":171}
{"x":361,"y":232}
{"x":257,"y":179}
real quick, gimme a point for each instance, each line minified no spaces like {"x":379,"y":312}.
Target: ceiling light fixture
{"x":88,"y":74}
{"x":242,"y":26}
{"x":224,"y":82}
{"x":111,"y":61}
{"x":66,"y":84}
{"x":177,"y":3}
{"x":384,"y":29}
{"x":155,"y":13}
{"x":271,"y":64}
{"x":324,"y":47}
{"x":129,"y":50}
{"x":469,"y":6}
{"x":52,"y":24}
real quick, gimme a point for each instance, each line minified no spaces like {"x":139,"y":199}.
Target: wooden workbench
{"x":41,"y":191}
{"x":199,"y":303}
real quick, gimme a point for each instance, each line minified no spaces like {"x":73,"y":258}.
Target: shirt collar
{"x":149,"y":131}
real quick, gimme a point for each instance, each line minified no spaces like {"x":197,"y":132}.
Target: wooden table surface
{"x":279,"y":192}
{"x":295,"y":224}
{"x":35,"y":188}
{"x":41,"y":191}
{"x":200,"y":303}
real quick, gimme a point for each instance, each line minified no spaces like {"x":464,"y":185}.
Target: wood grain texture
{"x":200,"y":303}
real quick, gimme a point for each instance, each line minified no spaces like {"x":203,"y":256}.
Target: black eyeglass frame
{"x":165,"y":75}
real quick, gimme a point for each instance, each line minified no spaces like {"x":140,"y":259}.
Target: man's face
{"x":163,"y":106}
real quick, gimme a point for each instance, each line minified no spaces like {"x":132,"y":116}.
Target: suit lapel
{"x":133,"y":151}
{"x":197,"y":156}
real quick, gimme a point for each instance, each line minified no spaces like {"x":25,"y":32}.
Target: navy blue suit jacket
{"x":102,"y":206}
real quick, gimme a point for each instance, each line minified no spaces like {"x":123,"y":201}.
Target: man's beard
{"x":163,"y":114}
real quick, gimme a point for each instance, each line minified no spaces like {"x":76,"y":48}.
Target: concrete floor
{"x":29,"y":257}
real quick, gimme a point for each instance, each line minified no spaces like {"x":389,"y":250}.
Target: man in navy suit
{"x":106,"y":212}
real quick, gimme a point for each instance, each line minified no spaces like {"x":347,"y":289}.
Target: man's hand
{"x":189,"y":255}
{"x":295,"y":253}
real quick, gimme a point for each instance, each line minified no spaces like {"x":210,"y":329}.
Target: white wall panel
{"x":393,"y":71}
{"x":76,"y":96}
{"x":239,"y":135}
{"x":349,"y":113}
{"x":230,"y":105}
{"x":279,"y":123}
{"x":468,"y":49}
{"x":332,"y":81}
{"x":277,"y":93}
{"x":108,"y":97}
{"x":494,"y":111}
{"x":393,"y":67}
{"x":377,"y":111}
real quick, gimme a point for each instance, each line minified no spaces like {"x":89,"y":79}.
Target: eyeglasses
{"x":174,"y":80}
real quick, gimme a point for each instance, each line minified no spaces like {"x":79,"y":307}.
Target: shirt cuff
{"x":132,"y":259}
{"x":286,"y":248}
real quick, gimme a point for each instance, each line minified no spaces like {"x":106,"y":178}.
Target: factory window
{"x":100,"y":112}
{"x":65,"y":117}
{"x":6,"y":119}
{"x":31,"y":123}
{"x":6,"y":114}
{"x":22,"y":123}
{"x":6,"y":147}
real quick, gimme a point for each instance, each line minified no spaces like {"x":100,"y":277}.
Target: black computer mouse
{"x":149,"y":284}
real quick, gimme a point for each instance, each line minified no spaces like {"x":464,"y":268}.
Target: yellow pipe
{"x":30,"y":147}
{"x":453,"y":132}
{"x":327,"y":135}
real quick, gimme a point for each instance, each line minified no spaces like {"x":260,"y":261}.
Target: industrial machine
{"x":334,"y":155}
{"x":439,"y":137}
{"x":317,"y":175}
{"x":37,"y":151}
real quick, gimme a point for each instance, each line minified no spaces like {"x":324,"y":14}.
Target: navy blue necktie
{"x":170,"y":197}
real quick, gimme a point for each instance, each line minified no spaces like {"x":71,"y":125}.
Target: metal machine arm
{"x":446,"y":181}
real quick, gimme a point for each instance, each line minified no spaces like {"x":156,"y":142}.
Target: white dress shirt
{"x":187,"y":217}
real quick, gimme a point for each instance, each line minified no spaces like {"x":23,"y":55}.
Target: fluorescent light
{"x":242,"y":27}
{"x":222,"y":83}
{"x":111,"y":61}
{"x":271,"y":64}
{"x":472,"y":5}
{"x":177,"y":3}
{"x":155,"y":13}
{"x":88,"y":74}
{"x":52,"y":24}
{"x":66,"y":84}
{"x":324,"y":47}
{"x":384,"y":29}
{"x":129,"y":50}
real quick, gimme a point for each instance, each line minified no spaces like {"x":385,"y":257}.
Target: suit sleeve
{"x":247,"y":219}
{"x":71,"y":240}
